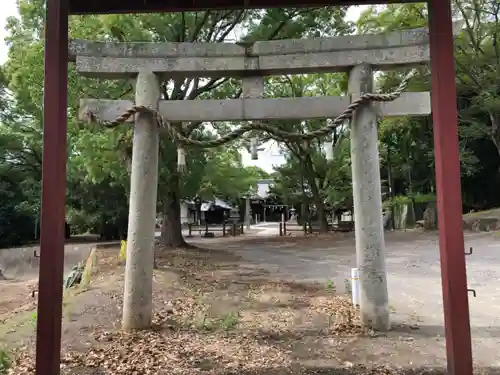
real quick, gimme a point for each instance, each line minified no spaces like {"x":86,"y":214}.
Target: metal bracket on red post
{"x":473,"y":291}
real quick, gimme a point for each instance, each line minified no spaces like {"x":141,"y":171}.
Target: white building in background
{"x":263,"y":187}
{"x":186,"y":208}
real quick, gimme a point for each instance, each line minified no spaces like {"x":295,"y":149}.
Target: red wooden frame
{"x":454,"y":280}
{"x":141,"y":6}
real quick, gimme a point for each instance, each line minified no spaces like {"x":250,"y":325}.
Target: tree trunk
{"x":316,"y":196}
{"x":320,"y":208}
{"x":315,"y":191}
{"x":495,"y":130}
{"x":318,"y":202}
{"x":171,"y":227}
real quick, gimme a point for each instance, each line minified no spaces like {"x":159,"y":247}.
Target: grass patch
{"x":5,"y":361}
{"x":33,"y":318}
{"x":17,"y":323}
{"x":225,"y":322}
{"x":230,"y":321}
{"x":330,"y":286}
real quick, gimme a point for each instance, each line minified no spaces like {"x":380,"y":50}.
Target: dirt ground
{"x":414,"y":280}
{"x":20,"y":268}
{"x":267,"y":305}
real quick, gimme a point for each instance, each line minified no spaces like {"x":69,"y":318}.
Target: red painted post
{"x":48,"y":337}
{"x":449,"y":200}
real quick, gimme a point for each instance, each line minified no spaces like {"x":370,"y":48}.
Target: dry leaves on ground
{"x":178,"y":346}
{"x":188,"y":340}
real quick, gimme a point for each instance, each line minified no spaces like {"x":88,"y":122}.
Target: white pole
{"x":355,"y":286}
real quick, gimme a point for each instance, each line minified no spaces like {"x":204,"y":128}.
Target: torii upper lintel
{"x":146,"y":6}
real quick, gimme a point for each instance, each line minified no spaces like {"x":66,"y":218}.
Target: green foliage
{"x":392,"y":17}
{"x":34,"y":318}
{"x":17,"y":216}
{"x":308,"y":178}
{"x":226,"y":178}
{"x":407,"y":143}
{"x":5,"y":361}
{"x":402,"y":200}
{"x":330,"y":286}
{"x":98,"y":175}
{"x":230,"y":321}
{"x":99,"y":208}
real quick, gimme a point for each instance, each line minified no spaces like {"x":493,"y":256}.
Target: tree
{"x":226,"y":177}
{"x":213,"y":26}
{"x":17,"y":222}
{"x":477,"y":68}
{"x":97,"y":158}
{"x":307,"y":174}
{"x":477,"y":54}
{"x":93,"y":159}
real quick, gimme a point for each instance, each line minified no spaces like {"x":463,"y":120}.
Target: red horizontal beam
{"x":148,"y":6}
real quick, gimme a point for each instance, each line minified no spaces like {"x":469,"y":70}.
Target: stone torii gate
{"x":144,"y":62}
{"x":454,"y":283}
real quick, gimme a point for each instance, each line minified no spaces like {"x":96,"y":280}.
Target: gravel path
{"x":414,"y":278}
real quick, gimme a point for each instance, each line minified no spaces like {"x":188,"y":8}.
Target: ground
{"x":482,"y":220}
{"x":267,"y":305}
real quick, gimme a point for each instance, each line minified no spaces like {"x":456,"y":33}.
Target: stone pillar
{"x":137,"y":298}
{"x":248,"y":214}
{"x":370,"y":246}
{"x":253,"y":88}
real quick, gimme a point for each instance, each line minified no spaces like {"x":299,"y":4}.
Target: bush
{"x":67,"y":231}
{"x":17,"y":222}
{"x":15,"y":227}
{"x":405,"y":199}
{"x":109,"y":227}
{"x":416,"y":203}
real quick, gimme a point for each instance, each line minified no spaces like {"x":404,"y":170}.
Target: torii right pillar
{"x":449,"y":199}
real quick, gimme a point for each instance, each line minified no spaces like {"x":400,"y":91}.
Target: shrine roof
{"x":145,"y":6}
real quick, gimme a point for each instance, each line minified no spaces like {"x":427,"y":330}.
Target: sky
{"x":268,"y":158}
{"x":9,"y":8}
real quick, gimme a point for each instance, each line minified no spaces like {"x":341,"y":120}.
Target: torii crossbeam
{"x":456,"y":309}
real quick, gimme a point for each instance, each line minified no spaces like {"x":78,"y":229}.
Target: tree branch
{"x":199,"y":26}
{"x":232,"y":25}
{"x":211,"y":85}
{"x":182,"y":32}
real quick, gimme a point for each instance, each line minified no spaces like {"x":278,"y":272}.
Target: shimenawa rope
{"x":182,"y":141}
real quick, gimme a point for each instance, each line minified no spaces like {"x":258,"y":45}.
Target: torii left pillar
{"x":48,"y":335}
